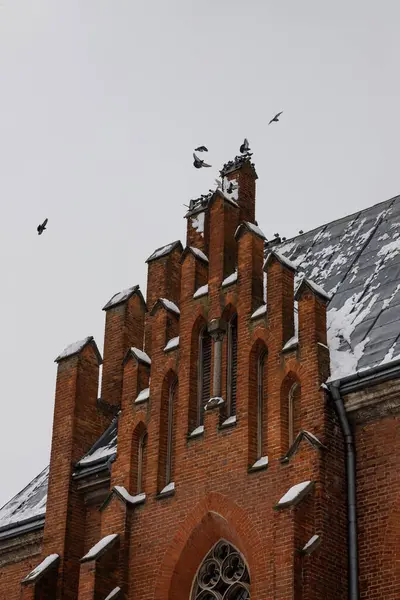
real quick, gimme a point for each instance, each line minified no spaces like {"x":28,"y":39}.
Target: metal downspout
{"x":351,"y":491}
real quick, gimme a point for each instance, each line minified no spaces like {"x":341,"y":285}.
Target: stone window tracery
{"x":223,"y":575}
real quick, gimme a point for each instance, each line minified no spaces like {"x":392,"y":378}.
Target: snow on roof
{"x":29,"y":504}
{"x":41,"y":568}
{"x":74,"y":348}
{"x":114,"y":593}
{"x":164,"y":250}
{"x":170,"y":306}
{"x":199,"y":253}
{"x":296,"y":492}
{"x":201,"y":291}
{"x":96,"y":550}
{"x":120,"y":297}
{"x":143,"y":395}
{"x":357,"y":260}
{"x":141,"y":355}
{"x":104,"y":448}
{"x":173,"y":343}
{"x":230,"y":279}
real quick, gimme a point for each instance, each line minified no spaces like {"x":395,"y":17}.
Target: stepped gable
{"x":357,"y":260}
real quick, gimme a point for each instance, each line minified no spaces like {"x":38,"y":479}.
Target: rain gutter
{"x":338,"y":389}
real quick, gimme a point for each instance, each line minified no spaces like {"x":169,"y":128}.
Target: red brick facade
{"x":218,"y":492}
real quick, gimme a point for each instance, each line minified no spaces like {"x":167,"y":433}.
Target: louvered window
{"x":231,"y":379}
{"x":204,"y":373}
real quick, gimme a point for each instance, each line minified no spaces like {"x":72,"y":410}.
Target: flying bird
{"x":276,"y":118}
{"x":201,"y":149}
{"x":198,"y":163}
{"x":232,"y":187}
{"x":42,"y":227}
{"x":244,"y":148}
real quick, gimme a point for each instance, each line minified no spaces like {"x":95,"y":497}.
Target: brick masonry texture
{"x":217,"y":494}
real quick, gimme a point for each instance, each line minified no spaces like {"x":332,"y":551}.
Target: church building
{"x":245,"y":444}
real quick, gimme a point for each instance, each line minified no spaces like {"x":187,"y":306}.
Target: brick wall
{"x":378,"y":503}
{"x":218,"y":492}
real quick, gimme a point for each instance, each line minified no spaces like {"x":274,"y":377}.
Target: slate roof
{"x":26,"y":511}
{"x":357,"y":260}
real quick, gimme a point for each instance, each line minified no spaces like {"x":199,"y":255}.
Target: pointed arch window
{"x":260,"y":402}
{"x":204,"y":374}
{"x":293,"y":412}
{"x":231,"y":378}
{"x":223,"y":575}
{"x":141,"y":462}
{"x":167,"y":432}
{"x":170,"y":432}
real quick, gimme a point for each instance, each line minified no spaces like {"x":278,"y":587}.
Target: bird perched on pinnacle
{"x":42,"y":227}
{"x":201,"y":149}
{"x":245,"y":148}
{"x":198,"y":163}
{"x":276,"y":118}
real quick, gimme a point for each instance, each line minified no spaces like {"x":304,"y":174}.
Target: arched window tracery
{"x":223,"y":575}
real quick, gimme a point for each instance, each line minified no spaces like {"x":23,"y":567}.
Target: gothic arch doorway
{"x":222,"y":575}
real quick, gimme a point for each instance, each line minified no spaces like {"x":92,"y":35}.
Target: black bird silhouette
{"x":198,"y":163}
{"x":301,"y":232}
{"x":201,"y":149}
{"x":276,"y":118}
{"x":42,"y":227}
{"x":244,"y":148}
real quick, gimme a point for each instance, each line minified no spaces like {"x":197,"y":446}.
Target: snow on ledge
{"x":170,"y":306}
{"x":198,"y":431}
{"x":312,"y":543}
{"x":262,"y":310}
{"x":168,"y":489}
{"x":229,"y":421}
{"x":120,"y":297}
{"x":123,"y":492}
{"x":213,"y":402}
{"x":143,"y":396}
{"x":260,"y":463}
{"x":282,"y":259}
{"x":199,"y":253}
{"x":201,"y":291}
{"x":173,"y":343}
{"x":291,"y":343}
{"x":74,"y":348}
{"x":230,"y":279}
{"x":314,"y":287}
{"x":295,"y":494}
{"x":141,"y":355}
{"x":41,"y":568}
{"x":114,"y":593}
{"x":101,"y":546}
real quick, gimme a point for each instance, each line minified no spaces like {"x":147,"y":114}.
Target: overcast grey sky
{"x":101,"y":104}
